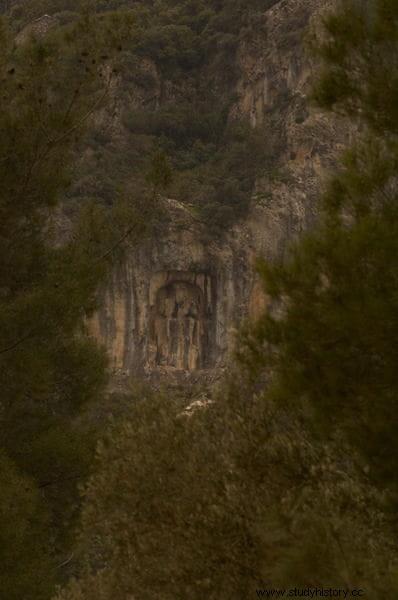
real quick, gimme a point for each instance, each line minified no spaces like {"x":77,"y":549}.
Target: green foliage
{"x":23,"y":551}
{"x":48,"y":285}
{"x":159,"y":174}
{"x":333,"y":349}
{"x":170,"y":529}
{"x":360,"y":73}
{"x":215,"y":161}
{"x":318,"y":521}
{"x":221,"y":500}
{"x":188,"y":49}
{"x":326,"y":348}
{"x":289,"y":479}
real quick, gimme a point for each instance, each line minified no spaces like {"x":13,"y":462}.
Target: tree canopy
{"x":289,"y":478}
{"x":49,"y":277}
{"x":334,"y":348}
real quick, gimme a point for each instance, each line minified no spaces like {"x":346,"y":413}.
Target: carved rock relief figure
{"x":178,"y":326}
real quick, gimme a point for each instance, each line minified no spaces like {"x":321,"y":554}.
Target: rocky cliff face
{"x":175,"y":303}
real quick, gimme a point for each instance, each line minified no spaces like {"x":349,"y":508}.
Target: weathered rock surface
{"x":175,"y":303}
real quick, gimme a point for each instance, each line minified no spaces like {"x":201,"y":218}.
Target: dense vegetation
{"x":49,"y":368}
{"x":288,"y":479}
{"x":181,"y":60}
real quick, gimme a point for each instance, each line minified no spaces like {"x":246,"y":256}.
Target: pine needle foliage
{"x":181,"y":59}
{"x":289,"y":479}
{"x":333,"y":349}
{"x":49,"y":367}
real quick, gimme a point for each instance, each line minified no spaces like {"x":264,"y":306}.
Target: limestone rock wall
{"x":175,"y":303}
{"x":180,"y":322}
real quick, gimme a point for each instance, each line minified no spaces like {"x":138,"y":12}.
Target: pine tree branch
{"x":115,"y":245}
{"x":65,"y":562}
{"x":55,"y":141}
{"x":18,"y":341}
{"x":87,"y":115}
{"x":60,"y":480}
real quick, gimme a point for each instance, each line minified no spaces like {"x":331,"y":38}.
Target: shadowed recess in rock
{"x":179,"y":325}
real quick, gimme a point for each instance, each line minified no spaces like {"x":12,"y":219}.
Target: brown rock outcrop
{"x":174,"y":305}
